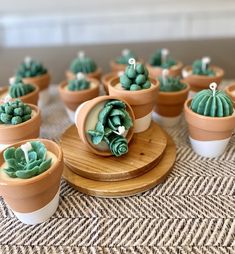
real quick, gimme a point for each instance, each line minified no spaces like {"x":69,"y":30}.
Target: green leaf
{"x":12,"y":163}
{"x":19,"y":155}
{"x":116,"y":120}
{"x":9,"y":153}
{"x":127,"y":121}
{"x":94,"y":133}
{"x":99,"y":127}
{"x":32,"y":156}
{"x":97,"y":139}
{"x":107,"y":131}
{"x":25,"y":174}
{"x":117,"y":112}
{"x":102,"y":117}
{"x":44,"y":166}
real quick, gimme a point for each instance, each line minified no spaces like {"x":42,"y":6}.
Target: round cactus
{"x":18,"y":88}
{"x":14,"y":112}
{"x":162,"y":59}
{"x":80,"y":83}
{"x":126,"y":55}
{"x":212,"y":102}
{"x":202,"y":67}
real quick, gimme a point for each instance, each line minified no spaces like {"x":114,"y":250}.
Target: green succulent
{"x":78,"y":84}
{"x":126,"y":55}
{"x":197,"y":69}
{"x":171,"y":84}
{"x":135,"y":78}
{"x":30,"y":68}
{"x":19,"y":167}
{"x":18,"y":88}
{"x":156,"y":60}
{"x":83,"y":64}
{"x":111,"y":119}
{"x":14,"y":112}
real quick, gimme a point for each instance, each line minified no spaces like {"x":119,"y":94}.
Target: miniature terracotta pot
{"x":141,"y":101}
{"x":156,"y":71}
{"x":200,"y":82}
{"x":10,"y":134}
{"x":116,"y":67}
{"x":230,"y":90}
{"x":82,"y":115}
{"x":72,"y":99}
{"x":34,"y":200}
{"x":96,"y":74}
{"x":105,"y":80}
{"x":169,"y":106}
{"x":209,"y":136}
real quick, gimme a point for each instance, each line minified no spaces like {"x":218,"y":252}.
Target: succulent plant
{"x":30,"y":68}
{"x":80,"y":83}
{"x":135,"y":77}
{"x":14,"y":112}
{"x":212,"y":102}
{"x":126,"y":55}
{"x":83,"y":64}
{"x":202,"y":67}
{"x":162,"y":59}
{"x":26,"y":161}
{"x":18,"y":88}
{"x":113,"y":122}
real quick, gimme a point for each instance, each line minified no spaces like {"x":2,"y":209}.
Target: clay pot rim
{"x":44,"y":174}
{"x":97,"y":71}
{"x":37,"y":113}
{"x":178,"y":65}
{"x":174,"y":93}
{"x":208,"y":118}
{"x":36,"y":77}
{"x":108,"y":75}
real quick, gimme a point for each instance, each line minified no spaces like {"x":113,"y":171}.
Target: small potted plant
{"x":33,"y":72}
{"x":30,"y":175}
{"x":18,"y":121}
{"x":76,"y":91}
{"x":105,"y":125}
{"x":170,"y":100}
{"x":84,"y":64}
{"x":230,"y":90}
{"x":121,"y":62}
{"x":106,"y":78}
{"x":18,"y":89}
{"x":201,"y":74}
{"x":210,"y":121}
{"x":139,"y":90}
{"x":161,"y":60}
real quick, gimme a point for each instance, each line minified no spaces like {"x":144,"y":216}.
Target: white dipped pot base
{"x":210,"y":149}
{"x":71,"y":114}
{"x":44,"y":97}
{"x":143,"y":123}
{"x":166,"y":121}
{"x":40,"y":215}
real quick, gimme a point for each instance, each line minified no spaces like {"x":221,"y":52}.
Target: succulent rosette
{"x":202,"y":67}
{"x":170,"y":83}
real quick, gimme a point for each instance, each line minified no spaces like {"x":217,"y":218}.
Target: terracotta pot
{"x":81,"y":117}
{"x":96,"y":74}
{"x":230,"y":90}
{"x":200,"y":82}
{"x":156,"y":71}
{"x":116,"y":67}
{"x":209,"y":136}
{"x":34,"y":200}
{"x":105,"y":80}
{"x":10,"y":134}
{"x":31,"y":98}
{"x":141,"y":101}
{"x":72,"y":99}
{"x":169,"y":106}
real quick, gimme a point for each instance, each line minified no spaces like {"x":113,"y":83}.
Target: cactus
{"x":26,"y":163}
{"x":162,"y":59}
{"x":202,"y":67}
{"x":83,"y":64}
{"x":80,"y":83}
{"x":30,"y":68}
{"x":14,"y":112}
{"x":113,"y":122}
{"x":135,"y":77}
{"x":124,"y":58}
{"x":169,"y":83}
{"x":212,"y":102}
{"x":18,"y":88}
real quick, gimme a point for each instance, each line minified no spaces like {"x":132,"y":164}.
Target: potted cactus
{"x":201,"y":74}
{"x":30,"y":175}
{"x":33,"y":72}
{"x":84,"y":64}
{"x":230,"y":90}
{"x":210,"y":121}
{"x":18,"y":121}
{"x":139,"y":90}
{"x":173,"y":92}
{"x":18,"y":89}
{"x":121,"y":62}
{"x":161,"y":60}
{"x":105,"y":125}
{"x":76,"y":91}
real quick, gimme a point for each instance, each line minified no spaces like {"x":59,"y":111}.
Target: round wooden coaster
{"x":127,"y":187}
{"x":145,"y":151}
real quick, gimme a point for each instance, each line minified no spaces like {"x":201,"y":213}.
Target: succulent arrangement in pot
{"x":30,"y":174}
{"x":211,"y":121}
{"x":33,"y":72}
{"x":18,"y":89}
{"x":139,"y":90}
{"x":173,"y":93}
{"x":76,"y":91}
{"x":84,"y":64}
{"x":230,"y":90}
{"x":18,"y":121}
{"x":105,"y":125}
{"x":161,"y":60}
{"x":201,"y":74}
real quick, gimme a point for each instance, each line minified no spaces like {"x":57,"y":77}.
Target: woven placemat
{"x":191,"y":212}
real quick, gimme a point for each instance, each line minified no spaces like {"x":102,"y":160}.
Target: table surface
{"x":191,"y":212}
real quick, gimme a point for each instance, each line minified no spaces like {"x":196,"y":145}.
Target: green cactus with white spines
{"x":79,"y":83}
{"x":18,"y":88}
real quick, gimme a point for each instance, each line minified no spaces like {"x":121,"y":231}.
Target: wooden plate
{"x":145,"y":151}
